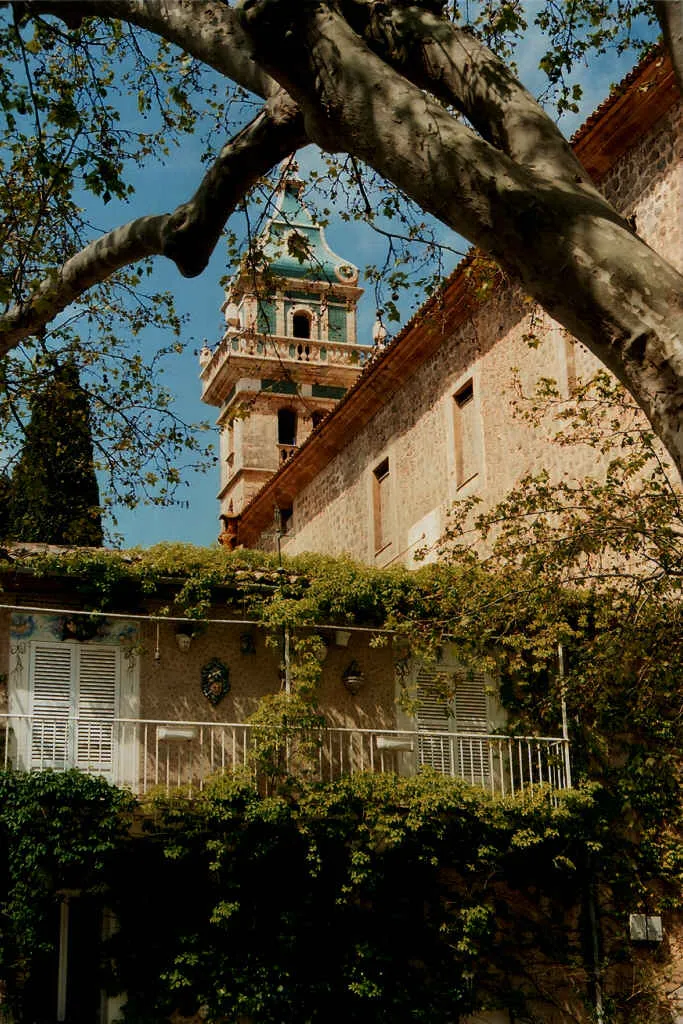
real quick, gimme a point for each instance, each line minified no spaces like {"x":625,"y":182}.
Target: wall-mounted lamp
{"x":352,"y":678}
{"x":342,"y":637}
{"x":185,"y":633}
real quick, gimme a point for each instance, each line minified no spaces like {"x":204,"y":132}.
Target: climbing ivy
{"x":375,"y":898}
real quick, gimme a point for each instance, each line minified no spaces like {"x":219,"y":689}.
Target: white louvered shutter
{"x":97,"y":688}
{"x":52,"y":671}
{"x":471,"y":713}
{"x":433,"y":716}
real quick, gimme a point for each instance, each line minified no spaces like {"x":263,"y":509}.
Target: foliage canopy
{"x":432,"y":897}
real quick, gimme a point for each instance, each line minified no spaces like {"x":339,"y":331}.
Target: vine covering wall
{"x":421,"y":897}
{"x":375,"y":899}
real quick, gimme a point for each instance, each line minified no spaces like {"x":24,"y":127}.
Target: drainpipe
{"x":277,"y":514}
{"x":63,"y":962}
{"x":565,"y":723}
{"x":591,"y":901}
{"x":596,"y":969}
{"x":63,"y":950}
{"x":288,"y":678}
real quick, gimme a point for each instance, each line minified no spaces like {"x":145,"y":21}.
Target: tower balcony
{"x":306,"y":360}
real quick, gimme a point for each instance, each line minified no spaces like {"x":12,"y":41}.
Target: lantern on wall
{"x":352,"y":678}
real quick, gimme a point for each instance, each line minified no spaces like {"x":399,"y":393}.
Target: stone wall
{"x":417,"y":430}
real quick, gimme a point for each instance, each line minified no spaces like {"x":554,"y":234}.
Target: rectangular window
{"x":380,"y":504}
{"x":467,"y":438}
{"x":570,"y":363}
{"x":265,"y":323}
{"x":451,"y":719}
{"x":228,"y":450}
{"x":73,"y":706}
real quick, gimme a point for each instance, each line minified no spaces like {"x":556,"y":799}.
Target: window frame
{"x":468,"y":464}
{"x":381,"y":505}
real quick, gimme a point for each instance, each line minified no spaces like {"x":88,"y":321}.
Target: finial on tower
{"x":289,"y":175}
{"x":379,"y":331}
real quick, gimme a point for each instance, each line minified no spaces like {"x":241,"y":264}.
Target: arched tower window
{"x":286,"y":426}
{"x":301,"y":325}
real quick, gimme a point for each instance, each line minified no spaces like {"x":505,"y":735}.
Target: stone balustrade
{"x":251,"y":346}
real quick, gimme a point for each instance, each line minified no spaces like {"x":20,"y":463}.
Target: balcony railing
{"x":254,"y":346}
{"x":144,"y":755}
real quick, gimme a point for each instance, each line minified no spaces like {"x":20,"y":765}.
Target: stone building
{"x":430,"y":419}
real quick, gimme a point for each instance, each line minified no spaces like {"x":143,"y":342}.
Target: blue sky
{"x":201,"y":299}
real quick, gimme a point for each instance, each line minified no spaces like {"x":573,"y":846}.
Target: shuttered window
{"x":471,"y":717}
{"x":434,"y":716}
{"x":467,"y":434}
{"x":73,"y":705}
{"x":380,"y":505}
{"x":51,"y":707}
{"x":97,"y":685}
{"x":454,"y":748}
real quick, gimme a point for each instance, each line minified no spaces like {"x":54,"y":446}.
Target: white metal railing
{"x":145,"y":754}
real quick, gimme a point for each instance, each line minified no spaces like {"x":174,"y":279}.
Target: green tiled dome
{"x":296,"y":246}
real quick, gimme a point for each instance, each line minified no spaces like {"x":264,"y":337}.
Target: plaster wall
{"x":170,"y":684}
{"x":169,"y":733}
{"x":416,"y":431}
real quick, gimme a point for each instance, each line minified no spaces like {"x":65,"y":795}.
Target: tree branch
{"x":452,"y":64}
{"x":187,"y":236}
{"x":209,"y":31}
{"x":569,"y":248}
{"x":353,"y":101}
{"x":670,"y":17}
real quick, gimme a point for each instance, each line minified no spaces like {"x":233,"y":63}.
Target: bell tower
{"x":289,"y":351}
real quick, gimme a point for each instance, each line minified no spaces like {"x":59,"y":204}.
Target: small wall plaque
{"x":215,"y":681}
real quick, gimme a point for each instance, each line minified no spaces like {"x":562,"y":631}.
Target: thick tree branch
{"x":354,"y":102}
{"x":670,"y":17}
{"x":514,"y":190}
{"x":208,"y":30}
{"x":187,"y":236}
{"x":454,"y":65}
{"x":571,"y":250}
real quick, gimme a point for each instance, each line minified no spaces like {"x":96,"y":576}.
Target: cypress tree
{"x":5,"y":496}
{"x":55,"y":498}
